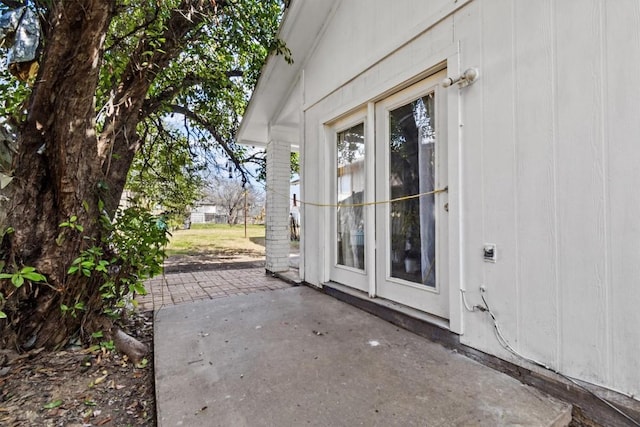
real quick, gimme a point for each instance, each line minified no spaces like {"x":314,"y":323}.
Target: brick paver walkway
{"x":176,"y":288}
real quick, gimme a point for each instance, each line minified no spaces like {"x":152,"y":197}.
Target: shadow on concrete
{"x":191,"y":264}
{"x":258,"y":241}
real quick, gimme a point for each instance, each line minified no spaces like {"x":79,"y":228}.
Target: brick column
{"x":277,"y":223}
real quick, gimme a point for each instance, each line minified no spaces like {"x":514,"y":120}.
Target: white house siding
{"x":363,"y":32}
{"x":545,"y":154}
{"x":547,"y":171}
{"x":197,"y":217}
{"x":315,"y":189}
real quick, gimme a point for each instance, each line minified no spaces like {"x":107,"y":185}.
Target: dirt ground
{"x":95,"y":387}
{"x":80,"y":387}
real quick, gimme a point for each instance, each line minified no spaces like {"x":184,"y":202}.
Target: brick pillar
{"x":277,"y":225}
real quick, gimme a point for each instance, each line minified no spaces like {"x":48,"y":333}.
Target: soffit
{"x":277,"y":98}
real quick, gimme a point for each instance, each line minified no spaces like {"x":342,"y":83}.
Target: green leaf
{"x":64,"y":224}
{"x":97,"y":334}
{"x":53,"y":404}
{"x":79,"y":228}
{"x":143,"y":364}
{"x":85,"y":205}
{"x":6,"y":276}
{"x":64,"y":307}
{"x":17,"y":280}
{"x":3,"y":315}
{"x":139,"y":288}
{"x":34,"y":277}
{"x":107,"y":285}
{"x":73,"y":269}
{"x":73,"y":218}
{"x":27,"y":270}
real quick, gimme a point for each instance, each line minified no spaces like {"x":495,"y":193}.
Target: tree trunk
{"x":64,"y":169}
{"x":57,"y":176}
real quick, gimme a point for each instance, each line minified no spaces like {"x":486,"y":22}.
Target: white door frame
{"x":356,"y":278}
{"x":436,"y":300}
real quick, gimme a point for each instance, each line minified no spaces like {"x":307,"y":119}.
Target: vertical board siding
{"x":498,"y":162}
{"x":604,"y":126}
{"x":535,"y":205}
{"x":580,"y":190}
{"x":622,"y":68}
{"x":311,"y":181}
{"x":361,"y":33}
{"x":478,"y":328}
{"x":553,"y":164}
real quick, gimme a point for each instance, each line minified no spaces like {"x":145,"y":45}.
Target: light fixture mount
{"x":465,"y":79}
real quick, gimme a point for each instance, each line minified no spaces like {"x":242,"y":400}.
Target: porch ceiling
{"x":277,"y":99}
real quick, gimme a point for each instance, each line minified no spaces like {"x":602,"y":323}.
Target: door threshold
{"x":419,"y":322}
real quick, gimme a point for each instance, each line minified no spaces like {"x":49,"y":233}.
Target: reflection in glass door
{"x":350,"y":186}
{"x":412,"y":167}
{"x":411,"y":172}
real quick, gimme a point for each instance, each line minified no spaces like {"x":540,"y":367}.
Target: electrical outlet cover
{"x":489,"y":252}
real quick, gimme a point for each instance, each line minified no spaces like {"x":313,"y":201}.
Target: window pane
{"x":412,"y":171}
{"x":350,"y":191}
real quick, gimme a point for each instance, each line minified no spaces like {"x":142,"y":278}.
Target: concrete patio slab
{"x":296,"y":356}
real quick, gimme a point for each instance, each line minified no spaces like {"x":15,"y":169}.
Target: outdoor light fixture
{"x":464,"y":79}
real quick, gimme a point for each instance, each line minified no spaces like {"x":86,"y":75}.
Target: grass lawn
{"x":218,"y":239}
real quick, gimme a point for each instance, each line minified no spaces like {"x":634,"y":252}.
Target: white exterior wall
{"x":210,"y":209}
{"x":198,"y":214}
{"x":197,"y":217}
{"x":543,"y":162}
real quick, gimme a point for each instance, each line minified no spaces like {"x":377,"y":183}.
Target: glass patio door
{"x":411,"y":166}
{"x":349,"y":215}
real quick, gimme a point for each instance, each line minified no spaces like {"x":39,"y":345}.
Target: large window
{"x":412,"y":167}
{"x":350,"y":186}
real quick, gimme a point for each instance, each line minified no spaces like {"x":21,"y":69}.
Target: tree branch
{"x":144,"y":25}
{"x":151,"y":105}
{"x":224,"y":144}
{"x":168,"y":94}
{"x":235,"y":73}
{"x":119,"y":140}
{"x":13,"y":4}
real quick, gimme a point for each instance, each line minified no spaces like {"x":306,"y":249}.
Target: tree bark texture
{"x":56,"y":176}
{"x":64,"y":168}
